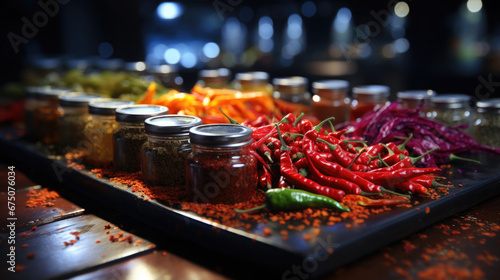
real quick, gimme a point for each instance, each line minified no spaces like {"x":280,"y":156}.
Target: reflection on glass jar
{"x":451,"y":110}
{"x":330,"y":100}
{"x":166,"y":75}
{"x":291,"y":95}
{"x":46,"y":114}
{"x":368,"y":98}
{"x":99,"y":131}
{"x":163,"y":155}
{"x":220,"y":168}
{"x":412,"y":99}
{"x":486,"y":129}
{"x":73,"y":116}
{"x":131,"y":134}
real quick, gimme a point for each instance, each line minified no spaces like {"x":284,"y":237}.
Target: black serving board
{"x":294,"y":257}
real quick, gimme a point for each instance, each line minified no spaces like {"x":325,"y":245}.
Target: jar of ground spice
{"x":486,"y":129}
{"x":368,"y":98}
{"x":253,"y":82}
{"x":99,"y":131}
{"x":291,"y":94}
{"x":330,"y":100}
{"x":163,"y":155}
{"x":220,"y":168}
{"x":214,"y":78}
{"x":46,"y":114}
{"x":73,"y":116}
{"x":131,"y":134}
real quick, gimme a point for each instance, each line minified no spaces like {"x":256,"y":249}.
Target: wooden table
{"x":465,"y":246}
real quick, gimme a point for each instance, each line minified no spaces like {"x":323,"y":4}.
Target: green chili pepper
{"x":283,"y":199}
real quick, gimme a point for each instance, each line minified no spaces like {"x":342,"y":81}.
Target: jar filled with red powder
{"x":368,"y":98}
{"x":330,"y":100}
{"x":220,"y":168}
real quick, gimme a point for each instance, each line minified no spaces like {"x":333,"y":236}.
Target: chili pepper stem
{"x":297,"y":120}
{"x":330,"y":145}
{"x":241,"y":211}
{"x":384,"y":191}
{"x":320,"y":125}
{"x":353,"y":161}
{"x":455,"y":157}
{"x":416,"y":159}
{"x":436,"y":184}
{"x":355,"y":141}
{"x":229,"y":118}
{"x":391,"y":152}
{"x":283,"y":144}
{"x":370,"y":194}
{"x":402,"y":146}
{"x":382,"y":161}
{"x":331,"y":126}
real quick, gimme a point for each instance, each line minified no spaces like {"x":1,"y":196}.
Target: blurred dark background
{"x":448,"y":46}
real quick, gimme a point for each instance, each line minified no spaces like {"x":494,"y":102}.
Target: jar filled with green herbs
{"x":73,"y":116}
{"x":452,"y":110}
{"x":99,"y":131}
{"x":131,"y":134}
{"x":486,"y":129}
{"x":163,"y":156}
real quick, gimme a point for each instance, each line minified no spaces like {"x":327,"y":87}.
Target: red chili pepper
{"x":400,"y":175}
{"x":260,"y":159}
{"x":289,"y":172}
{"x":265,"y":152}
{"x":343,"y":157}
{"x":407,"y":162}
{"x":365,"y":201}
{"x":260,"y":121}
{"x":375,"y":150}
{"x":301,"y":163}
{"x":283,"y":183}
{"x":339,"y":134}
{"x":273,"y":143}
{"x":331,"y":168}
{"x":408,"y":186}
{"x":304,"y":126}
{"x":429,"y":182}
{"x":333,"y":182}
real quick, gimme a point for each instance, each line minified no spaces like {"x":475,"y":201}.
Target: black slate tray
{"x":335,"y":246}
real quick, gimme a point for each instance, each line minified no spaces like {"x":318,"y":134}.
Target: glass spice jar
{"x":368,"y":98}
{"x":99,"y":131}
{"x":29,"y":112}
{"x":214,"y":78}
{"x":253,"y":82}
{"x":486,"y":129}
{"x":131,"y":134}
{"x":291,"y":94}
{"x":163,"y":155}
{"x":73,"y":116}
{"x":412,"y":99}
{"x":330,"y":100}
{"x":220,"y":168}
{"x":451,"y":110}
{"x":46,"y":114}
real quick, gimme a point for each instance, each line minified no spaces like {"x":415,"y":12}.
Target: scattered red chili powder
{"x":30,"y":256}
{"x":151,"y":246}
{"x":33,"y":228}
{"x":98,"y":241}
{"x":427,"y":210}
{"x":20,"y":267}
{"x":138,"y":242}
{"x":488,"y":234}
{"x":24,"y":245}
{"x":42,"y":197}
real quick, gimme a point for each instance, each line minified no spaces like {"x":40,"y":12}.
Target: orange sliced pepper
{"x":149,"y":94}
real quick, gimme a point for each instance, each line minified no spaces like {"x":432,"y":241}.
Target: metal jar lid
{"x":247,"y":77}
{"x":107,"y":106}
{"x":215,"y":73}
{"x":332,"y":85}
{"x":293,"y":85}
{"x":221,"y":135}
{"x":139,"y":113}
{"x":170,"y":125}
{"x":416,"y":94}
{"x":371,"y":90}
{"x":48,"y":92}
{"x":78,"y":99}
{"x":488,"y":106}
{"x":450,"y":101}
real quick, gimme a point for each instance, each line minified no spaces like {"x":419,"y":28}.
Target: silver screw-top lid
{"x":107,"y":106}
{"x":371,"y":90}
{"x":215,"y":73}
{"x":416,"y":94}
{"x":170,"y":125}
{"x":221,"y":135}
{"x":78,"y":99}
{"x":47,"y":92}
{"x":450,"y":101}
{"x":252,"y":76}
{"x":139,"y":113}
{"x":488,"y":106}
{"x":330,"y":85}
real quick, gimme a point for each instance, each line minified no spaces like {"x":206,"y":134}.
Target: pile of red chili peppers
{"x":293,"y":153}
